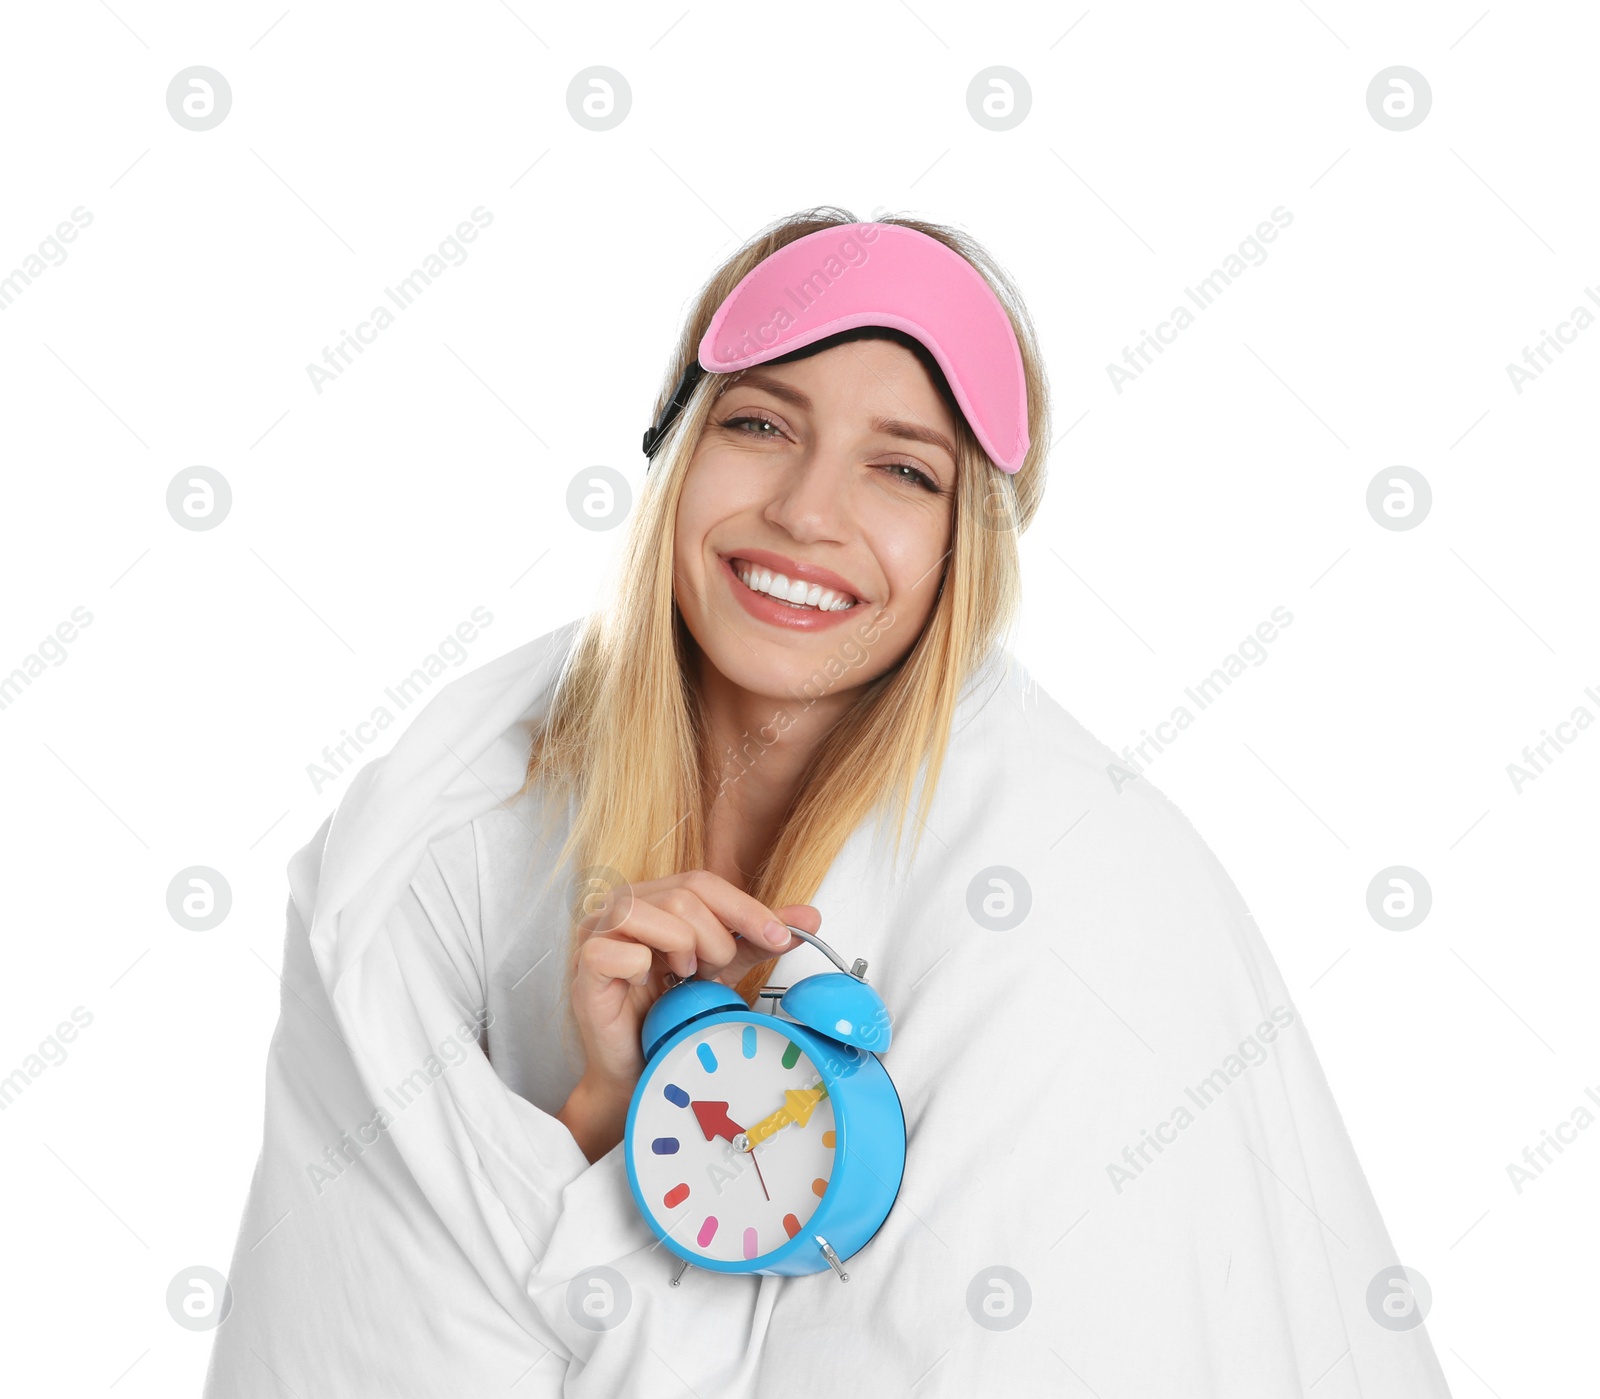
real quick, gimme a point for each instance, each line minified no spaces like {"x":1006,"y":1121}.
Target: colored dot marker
{"x":676,"y":1196}
{"x":750,"y":1243}
{"x":750,"y":1046}
{"x":675,"y":1095}
{"x":791,"y":1055}
{"x":707,"y":1058}
{"x":828,"y":1138}
{"x":708,"y":1231}
{"x":818,"y":1186}
{"x":664,"y":1146}
{"x":791,"y":1225}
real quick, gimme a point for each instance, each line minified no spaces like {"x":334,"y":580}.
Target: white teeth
{"x":796,"y":593}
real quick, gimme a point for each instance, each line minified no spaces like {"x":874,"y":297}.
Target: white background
{"x":430,"y":478}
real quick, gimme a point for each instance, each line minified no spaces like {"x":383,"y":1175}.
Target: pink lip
{"x":768,"y":609}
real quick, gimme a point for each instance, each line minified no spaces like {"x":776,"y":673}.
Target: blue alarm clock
{"x":760,"y":1143}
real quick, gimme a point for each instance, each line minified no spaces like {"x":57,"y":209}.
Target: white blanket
{"x":1117,"y":1125}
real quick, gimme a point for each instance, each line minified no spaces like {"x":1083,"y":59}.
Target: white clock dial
{"x":711,"y":1197}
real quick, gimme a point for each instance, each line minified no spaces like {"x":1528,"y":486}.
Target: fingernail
{"x":694,"y":963}
{"x":775,"y":933}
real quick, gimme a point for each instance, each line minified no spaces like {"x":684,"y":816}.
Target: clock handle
{"x":859,"y":970}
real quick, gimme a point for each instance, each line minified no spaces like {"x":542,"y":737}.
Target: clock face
{"x":715,"y":1089}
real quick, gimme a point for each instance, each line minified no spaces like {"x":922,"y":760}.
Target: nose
{"x":810,"y":498}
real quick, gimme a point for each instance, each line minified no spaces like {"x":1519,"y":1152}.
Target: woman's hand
{"x":695,"y":921}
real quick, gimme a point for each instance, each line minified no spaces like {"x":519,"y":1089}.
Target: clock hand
{"x":798,"y":1105}
{"x":715,"y":1122}
{"x":755,"y":1161}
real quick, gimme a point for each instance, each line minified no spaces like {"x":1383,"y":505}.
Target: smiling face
{"x":832,"y":480}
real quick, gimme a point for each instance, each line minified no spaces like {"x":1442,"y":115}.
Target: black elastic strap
{"x":680,"y":396}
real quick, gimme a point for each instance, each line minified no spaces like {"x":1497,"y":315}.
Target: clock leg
{"x":832,"y":1257}
{"x":682,"y":1267}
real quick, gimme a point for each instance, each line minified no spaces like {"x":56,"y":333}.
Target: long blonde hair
{"x":624,"y":745}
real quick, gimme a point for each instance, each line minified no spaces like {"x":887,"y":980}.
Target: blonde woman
{"x":1124,"y":1172}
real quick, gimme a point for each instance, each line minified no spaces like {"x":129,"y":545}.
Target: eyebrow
{"x":891,"y":427}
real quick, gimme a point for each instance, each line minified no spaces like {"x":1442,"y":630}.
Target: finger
{"x":742,"y":912}
{"x":604,"y":958}
{"x":805,"y":916}
{"x":751,"y":955}
{"x":674,"y":937}
{"x":715,"y":946}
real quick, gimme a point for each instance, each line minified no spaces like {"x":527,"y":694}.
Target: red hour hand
{"x":714,"y":1120}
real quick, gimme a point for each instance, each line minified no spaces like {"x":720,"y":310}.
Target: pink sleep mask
{"x":874,"y":274}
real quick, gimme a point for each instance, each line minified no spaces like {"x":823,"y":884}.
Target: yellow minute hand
{"x":798,"y":1105}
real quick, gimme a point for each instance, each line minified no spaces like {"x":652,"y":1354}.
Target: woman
{"x":1124,"y":1173}
{"x":779,"y":475}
